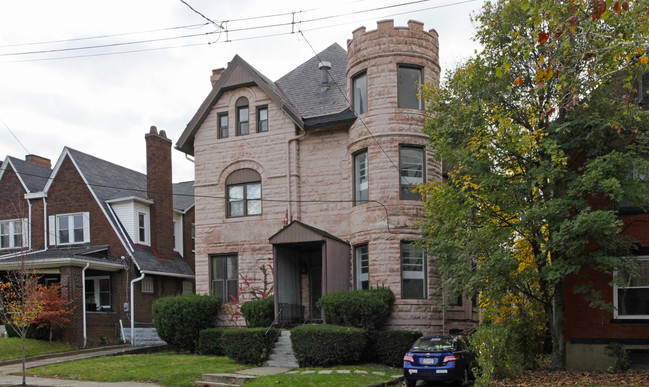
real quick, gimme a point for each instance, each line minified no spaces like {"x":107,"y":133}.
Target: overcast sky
{"x":57,"y":88}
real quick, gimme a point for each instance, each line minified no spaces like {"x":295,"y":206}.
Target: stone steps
{"x":282,"y":353}
{"x":143,"y":336}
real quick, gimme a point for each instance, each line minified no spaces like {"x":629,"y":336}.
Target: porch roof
{"x":298,"y":232}
{"x":95,"y":256}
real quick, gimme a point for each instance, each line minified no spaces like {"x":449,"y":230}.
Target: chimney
{"x":324,"y":69}
{"x":38,"y":160}
{"x":216,"y":75}
{"x":160,"y":191}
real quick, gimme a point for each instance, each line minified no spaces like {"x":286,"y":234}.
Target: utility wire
{"x":14,"y":135}
{"x":215,"y":24}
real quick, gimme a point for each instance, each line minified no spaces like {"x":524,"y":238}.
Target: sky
{"x":96,"y":75}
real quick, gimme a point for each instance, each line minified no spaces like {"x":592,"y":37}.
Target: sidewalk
{"x":15,"y":367}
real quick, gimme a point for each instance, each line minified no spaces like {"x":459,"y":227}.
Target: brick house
{"x":114,"y":238}
{"x":313,"y":175}
{"x":589,"y":330}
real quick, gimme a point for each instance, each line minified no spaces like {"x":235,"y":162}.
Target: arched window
{"x":243,"y":115}
{"x":243,"y":190}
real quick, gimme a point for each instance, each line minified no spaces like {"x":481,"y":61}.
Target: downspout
{"x":83,"y":303}
{"x":288,"y":172}
{"x":29,"y":229}
{"x":46,"y":226}
{"x":133,"y":308}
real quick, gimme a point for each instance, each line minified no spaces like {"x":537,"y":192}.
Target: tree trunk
{"x":22,"y":339}
{"x":557,"y":326}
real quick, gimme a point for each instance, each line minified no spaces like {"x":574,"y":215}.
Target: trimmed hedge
{"x":259,"y":313}
{"x":316,"y":345}
{"x":247,"y":345}
{"x":34,"y":332}
{"x":367,"y":309}
{"x":180,"y":319}
{"x":209,"y":341}
{"x":389,"y":347}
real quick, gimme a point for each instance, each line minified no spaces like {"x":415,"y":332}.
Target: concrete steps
{"x":282,"y":353}
{"x":214,"y":380}
{"x":143,"y":336}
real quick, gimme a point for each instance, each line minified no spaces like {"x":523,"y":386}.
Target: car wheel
{"x":411,"y":382}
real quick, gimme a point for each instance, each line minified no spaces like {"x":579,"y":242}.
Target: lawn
{"x":10,"y":348}
{"x":171,"y":369}
{"x":168,"y":369}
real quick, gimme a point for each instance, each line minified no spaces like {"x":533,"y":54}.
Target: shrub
{"x":496,"y":355}
{"x":621,"y":356}
{"x":33,"y":332}
{"x":247,"y":345}
{"x":388,"y":347}
{"x":325,"y":345}
{"x":180,"y":319}
{"x":209,"y":341}
{"x":259,"y":313}
{"x":367,"y":309}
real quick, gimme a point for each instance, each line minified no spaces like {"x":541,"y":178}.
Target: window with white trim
{"x":411,"y":168}
{"x":141,"y":227}
{"x":98,"y":293}
{"x":67,"y":229}
{"x":361,"y":267}
{"x":361,"y":178}
{"x":13,"y":233}
{"x":632,"y":299}
{"x":413,"y":272}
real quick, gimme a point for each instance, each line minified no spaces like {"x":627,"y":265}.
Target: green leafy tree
{"x":541,"y":134}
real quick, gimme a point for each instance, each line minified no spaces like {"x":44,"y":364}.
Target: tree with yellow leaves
{"x":541,"y":133}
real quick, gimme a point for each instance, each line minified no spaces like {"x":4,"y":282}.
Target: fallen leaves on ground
{"x":575,"y":378}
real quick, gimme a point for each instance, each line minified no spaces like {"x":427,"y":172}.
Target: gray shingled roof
{"x":33,"y":175}
{"x":303,"y":88}
{"x":84,"y":253}
{"x":149,"y":262}
{"x":183,"y":195}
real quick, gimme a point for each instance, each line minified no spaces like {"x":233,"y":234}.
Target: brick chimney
{"x":159,"y":190}
{"x":38,"y":160}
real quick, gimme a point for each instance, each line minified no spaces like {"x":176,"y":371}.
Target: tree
{"x":56,"y":309}
{"x":541,"y":135}
{"x":21,"y":302}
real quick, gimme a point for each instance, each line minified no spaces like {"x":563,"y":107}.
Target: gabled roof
{"x":238,"y":74}
{"x":298,"y":232}
{"x":183,"y":195}
{"x":32,"y":176}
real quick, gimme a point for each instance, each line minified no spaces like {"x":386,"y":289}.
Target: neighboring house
{"x":313,"y":174}
{"x":114,"y":238}
{"x":589,"y":330}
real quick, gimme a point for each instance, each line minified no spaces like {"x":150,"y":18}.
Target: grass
{"x":167,"y":369}
{"x":335,"y":379}
{"x":11,"y":348}
{"x":179,"y":370}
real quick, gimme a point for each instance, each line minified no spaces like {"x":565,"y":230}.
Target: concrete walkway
{"x":11,"y":371}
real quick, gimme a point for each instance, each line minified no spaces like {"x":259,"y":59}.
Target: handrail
{"x":281,"y":308}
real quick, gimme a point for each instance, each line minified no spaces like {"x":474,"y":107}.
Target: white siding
{"x":127,"y":212}
{"x":145,"y":209}
{"x":178,"y":233}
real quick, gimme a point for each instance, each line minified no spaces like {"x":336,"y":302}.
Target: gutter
{"x":83,"y":303}
{"x":140,"y":278}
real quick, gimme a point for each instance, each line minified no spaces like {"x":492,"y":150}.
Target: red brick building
{"x":114,"y":238}
{"x":589,"y":330}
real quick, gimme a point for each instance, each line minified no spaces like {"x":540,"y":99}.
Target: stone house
{"x":114,"y":238}
{"x":313,"y":175}
{"x":588,"y":330}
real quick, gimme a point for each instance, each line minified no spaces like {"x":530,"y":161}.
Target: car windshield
{"x":434,"y":344}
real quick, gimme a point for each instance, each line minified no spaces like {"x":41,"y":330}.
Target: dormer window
{"x":141,"y":227}
{"x":243,"y":114}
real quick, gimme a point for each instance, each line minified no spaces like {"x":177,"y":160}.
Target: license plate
{"x":428,"y":360}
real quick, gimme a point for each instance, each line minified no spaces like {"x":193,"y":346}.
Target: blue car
{"x":441,"y":358}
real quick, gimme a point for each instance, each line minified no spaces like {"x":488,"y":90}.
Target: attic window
{"x":242,"y":116}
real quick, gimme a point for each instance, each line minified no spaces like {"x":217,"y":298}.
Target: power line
{"x":14,"y":135}
{"x":215,"y":24}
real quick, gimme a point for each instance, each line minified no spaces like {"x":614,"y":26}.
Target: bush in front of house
{"x":259,"y":313}
{"x":33,"y":332}
{"x":388,"y":347}
{"x":317,"y":345}
{"x":247,"y":345}
{"x":209,"y":341}
{"x":496,"y":354}
{"x":367,"y":309}
{"x":180,"y":319}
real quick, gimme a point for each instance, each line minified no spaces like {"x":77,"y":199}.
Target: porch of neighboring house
{"x":309,"y":263}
